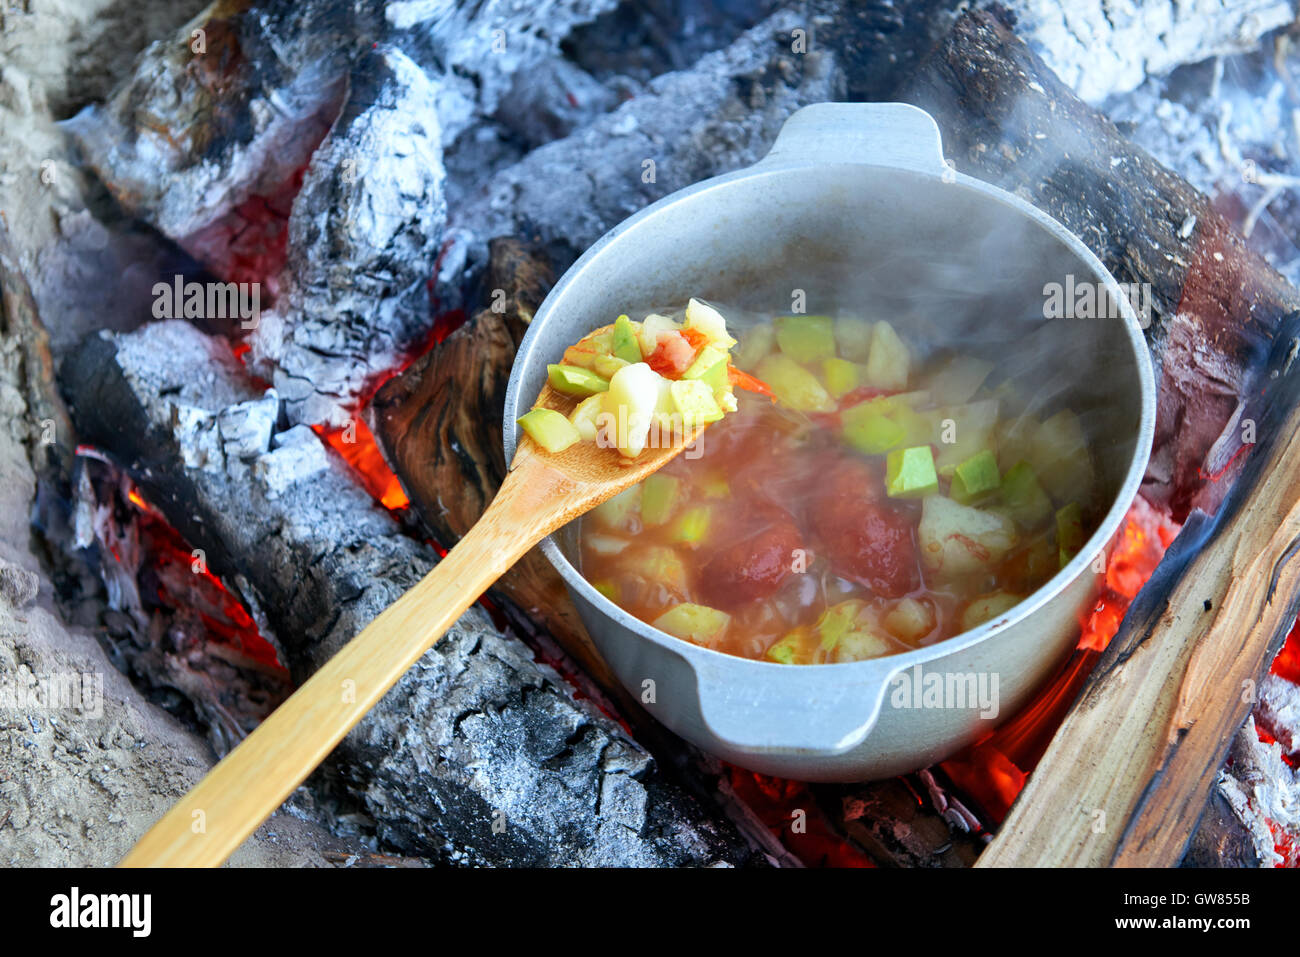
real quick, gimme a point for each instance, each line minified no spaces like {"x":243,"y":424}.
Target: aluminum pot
{"x":854,"y":207}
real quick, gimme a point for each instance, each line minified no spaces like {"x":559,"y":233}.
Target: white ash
{"x":1278,"y":711}
{"x":551,"y":101}
{"x":168,"y":144}
{"x":297,"y":454}
{"x":720,"y":115}
{"x":1261,"y":787}
{"x":364,"y":234}
{"x":1231,"y":127}
{"x":1101,"y":47}
{"x":246,"y":426}
{"x":480,"y":51}
{"x":198,"y":437}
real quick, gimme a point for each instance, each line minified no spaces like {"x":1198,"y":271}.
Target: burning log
{"x":1217,"y":309}
{"x":721,"y":114}
{"x":524,"y":774}
{"x":1179,"y":679}
{"x":302,"y":149}
{"x":439,"y":424}
{"x":1214,"y":303}
{"x":364,"y":236}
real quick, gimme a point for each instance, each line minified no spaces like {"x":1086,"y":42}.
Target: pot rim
{"x":889,"y":665}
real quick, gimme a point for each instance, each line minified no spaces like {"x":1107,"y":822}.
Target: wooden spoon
{"x":541,"y":493}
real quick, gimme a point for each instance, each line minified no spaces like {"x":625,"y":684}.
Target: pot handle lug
{"x":874,"y":134}
{"x":760,"y":708}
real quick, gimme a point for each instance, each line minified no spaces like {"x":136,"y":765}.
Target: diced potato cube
{"x":1013,"y":440}
{"x":889,"y":363}
{"x":628,"y":408}
{"x":661,"y":565}
{"x":959,"y":379}
{"x":853,"y":336}
{"x":863,"y":645}
{"x":794,"y":385}
{"x":706,"y":319}
{"x":987,"y":607}
{"x":755,"y":343}
{"x":958,"y":540}
{"x":606,"y":544}
{"x":699,"y":624}
{"x":910,"y":619}
{"x":1059,"y":454}
{"x":586,"y":417}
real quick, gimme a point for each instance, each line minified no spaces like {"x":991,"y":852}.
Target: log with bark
{"x":1215,"y":303}
{"x":439,"y":424}
{"x":1160,"y":710}
{"x":1159,"y":713}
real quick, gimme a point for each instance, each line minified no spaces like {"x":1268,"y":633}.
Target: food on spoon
{"x":864,"y":500}
{"x":642,"y":383}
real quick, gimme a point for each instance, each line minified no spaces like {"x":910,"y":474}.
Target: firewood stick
{"x":1127,"y":776}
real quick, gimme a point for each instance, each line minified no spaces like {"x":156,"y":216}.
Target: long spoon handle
{"x":254,"y":779}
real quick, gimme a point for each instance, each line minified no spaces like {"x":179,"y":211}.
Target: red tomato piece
{"x":672,"y":355}
{"x":697,"y":339}
{"x":866,"y":542}
{"x":753,"y":568}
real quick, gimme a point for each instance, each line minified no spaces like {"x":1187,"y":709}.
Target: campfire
{"x":371,"y":202}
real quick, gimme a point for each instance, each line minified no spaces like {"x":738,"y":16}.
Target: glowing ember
{"x":1287,"y":663}
{"x":1142,"y":542}
{"x":790,"y":811}
{"x":1285,"y":844}
{"x":184,"y":583}
{"x":356,"y":443}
